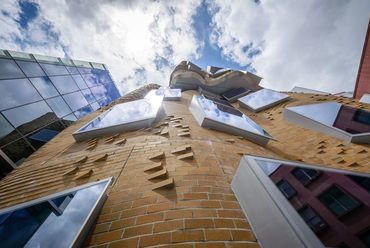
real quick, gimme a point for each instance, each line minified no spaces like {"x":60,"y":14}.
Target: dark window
{"x":286,"y":189}
{"x":365,"y":238}
{"x":54,"y":70}
{"x":64,"y":84}
{"x":305,"y":176}
{"x":18,"y":151}
{"x":75,"y":100}
{"x":31,"y":69}
{"x":42,"y":136}
{"x":5,"y":167}
{"x":9,"y":69}
{"x":313,"y":220}
{"x":363,"y":181}
{"x":338,"y":201}
{"x":16,"y":92}
{"x":44,"y":86}
{"x":31,"y":117}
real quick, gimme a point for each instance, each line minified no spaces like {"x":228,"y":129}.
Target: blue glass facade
{"x":43,"y":95}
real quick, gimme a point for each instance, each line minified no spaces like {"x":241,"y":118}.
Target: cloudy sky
{"x":313,"y":43}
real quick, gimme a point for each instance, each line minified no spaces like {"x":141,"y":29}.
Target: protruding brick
{"x":164,"y":184}
{"x":157,"y":155}
{"x":159,"y":174}
{"x":121,"y":142}
{"x":82,"y":160}
{"x":189,"y":155}
{"x":85,"y":174}
{"x":183,"y":148}
{"x":154,"y":166}
{"x":71,"y":171}
{"x":164,"y":131}
{"x":101,"y":158}
{"x":183,"y":134}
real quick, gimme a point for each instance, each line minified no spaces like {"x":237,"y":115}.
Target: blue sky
{"x":314,"y":44}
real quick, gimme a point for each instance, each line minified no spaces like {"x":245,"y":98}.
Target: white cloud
{"x":315,"y":44}
{"x":129,"y":36}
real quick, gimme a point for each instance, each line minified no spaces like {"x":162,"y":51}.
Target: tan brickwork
{"x":190,"y":202}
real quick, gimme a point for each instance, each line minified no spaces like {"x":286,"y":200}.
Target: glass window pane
{"x":20,"y":55}
{"x":262,"y":99}
{"x":91,"y":80}
{"x":54,"y":70}
{"x":7,"y":132}
{"x":30,"y":117}
{"x":64,"y":84}
{"x":18,"y":151}
{"x":59,"y":106}
{"x":9,"y":69}
{"x":82,"y":63}
{"x":31,"y":69}
{"x":42,"y":225}
{"x":95,"y":106}
{"x":5,"y":167}
{"x":83,"y":111}
{"x":75,"y":100}
{"x":12,"y":96}
{"x":83,"y":70}
{"x":45,"y":134}
{"x":80,"y":82}
{"x":67,"y":61}
{"x":45,"y":58}
{"x":72,"y":69}
{"x":44,"y":86}
{"x":88,"y":95}
{"x":69,"y":119}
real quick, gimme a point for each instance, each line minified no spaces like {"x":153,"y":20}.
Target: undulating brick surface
{"x":199,"y":209}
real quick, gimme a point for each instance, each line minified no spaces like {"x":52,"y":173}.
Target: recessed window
{"x":338,"y":201}
{"x":314,"y":221}
{"x":227,"y":119}
{"x":286,"y":189}
{"x":121,"y":118}
{"x":233,"y":94}
{"x":362,"y":181}
{"x":262,"y":99}
{"x":58,"y":220}
{"x":334,"y":119}
{"x":314,"y":217}
{"x":305,"y":176}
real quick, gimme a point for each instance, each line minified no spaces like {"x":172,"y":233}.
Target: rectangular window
{"x":338,"y":201}
{"x":31,"y":69}
{"x":262,"y":99}
{"x":58,"y":220}
{"x":9,"y":69}
{"x":286,"y":189}
{"x":305,"y":176}
{"x":64,"y":84}
{"x":233,"y":94}
{"x":75,"y":100}
{"x":44,"y":86}
{"x":54,"y":70}
{"x":313,"y":220}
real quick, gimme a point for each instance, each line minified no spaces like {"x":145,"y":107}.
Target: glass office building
{"x":41,"y":95}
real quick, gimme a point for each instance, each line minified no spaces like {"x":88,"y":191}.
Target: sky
{"x":313,"y":43}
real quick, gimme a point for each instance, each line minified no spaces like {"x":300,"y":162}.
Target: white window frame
{"x":207,"y":122}
{"x":304,"y":121}
{"x":92,"y":215}
{"x":273,"y":219}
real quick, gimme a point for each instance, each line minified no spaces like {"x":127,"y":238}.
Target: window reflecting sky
{"x":262,"y":98}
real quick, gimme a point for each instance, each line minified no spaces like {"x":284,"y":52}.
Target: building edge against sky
{"x":41,"y":95}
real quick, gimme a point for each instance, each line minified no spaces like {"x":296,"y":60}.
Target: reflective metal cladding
{"x":39,"y":92}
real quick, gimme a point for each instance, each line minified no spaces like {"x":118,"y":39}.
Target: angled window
{"x":227,"y":119}
{"x":334,"y":119}
{"x":286,"y":189}
{"x":312,"y":217}
{"x":338,"y":201}
{"x":234,"y":94}
{"x":57,"y":220}
{"x":305,"y":176}
{"x":314,"y":221}
{"x":262,"y":99}
{"x":122,"y":117}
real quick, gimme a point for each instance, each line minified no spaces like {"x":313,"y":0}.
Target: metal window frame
{"x":304,"y":121}
{"x":273,"y":220}
{"x":264,"y":107}
{"x":92,"y":215}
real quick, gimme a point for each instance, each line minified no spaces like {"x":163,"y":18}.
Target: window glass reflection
{"x":18,"y":151}
{"x":54,"y":70}
{"x":88,"y":95}
{"x":12,"y":96}
{"x":45,"y":134}
{"x":95,"y":105}
{"x":83,"y":111}
{"x":5,"y":167}
{"x":69,"y":119}
{"x":44,"y":86}
{"x":9,"y":69}
{"x":31,"y":69}
{"x":7,"y":132}
{"x":79,"y":81}
{"x":262,"y":99}
{"x":30,"y":117}
{"x":64,"y":84}
{"x":50,"y":225}
{"x":75,"y":100}
{"x":83,"y":70}
{"x":72,"y":69}
{"x":335,"y":207}
{"x":59,"y":106}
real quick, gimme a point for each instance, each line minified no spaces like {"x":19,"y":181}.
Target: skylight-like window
{"x":262,"y":99}
{"x":334,"y":119}
{"x":322,"y":214}
{"x":234,"y":94}
{"x":220,"y":117}
{"x":122,"y":117}
{"x":58,"y":220}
